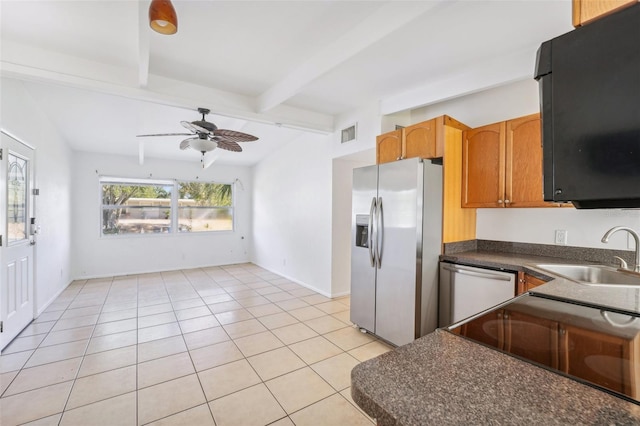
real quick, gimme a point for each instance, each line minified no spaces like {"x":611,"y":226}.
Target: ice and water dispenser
{"x":362,"y":230}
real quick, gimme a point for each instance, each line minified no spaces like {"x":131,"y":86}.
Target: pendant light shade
{"x":162,"y":17}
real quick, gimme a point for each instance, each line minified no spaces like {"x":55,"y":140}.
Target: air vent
{"x":349,"y":134}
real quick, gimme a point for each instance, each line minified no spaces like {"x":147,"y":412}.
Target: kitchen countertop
{"x":442,"y":378}
{"x":445,"y":379}
{"x":612,"y":297}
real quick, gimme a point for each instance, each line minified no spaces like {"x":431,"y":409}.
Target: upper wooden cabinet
{"x":523,"y":178}
{"x":439,"y":137}
{"x":421,"y":140}
{"x":502,"y":164}
{"x":585,"y":11}
{"x":483,"y":166}
{"x":389,"y":147}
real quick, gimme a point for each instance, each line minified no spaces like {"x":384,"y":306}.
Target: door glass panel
{"x":17,"y":199}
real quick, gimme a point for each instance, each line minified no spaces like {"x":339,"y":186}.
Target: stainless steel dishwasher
{"x":466,"y":291}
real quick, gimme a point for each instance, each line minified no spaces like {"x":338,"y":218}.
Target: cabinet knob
{"x":399,"y":158}
{"x":563,"y":331}
{"x":507,"y":201}
{"x":499,"y":201}
{"x":506,"y":316}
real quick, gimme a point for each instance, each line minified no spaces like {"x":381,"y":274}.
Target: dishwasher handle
{"x":457,"y":269}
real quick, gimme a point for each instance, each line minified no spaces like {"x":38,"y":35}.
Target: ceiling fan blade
{"x":233,"y":136}
{"x":166,"y":134}
{"x":194,"y":127}
{"x":229,"y":145}
{"x":187,"y":143}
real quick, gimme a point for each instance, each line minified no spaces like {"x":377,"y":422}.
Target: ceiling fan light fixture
{"x":162,"y":17}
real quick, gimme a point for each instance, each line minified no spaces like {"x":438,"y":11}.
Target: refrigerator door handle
{"x":370,"y":232}
{"x":380,"y":232}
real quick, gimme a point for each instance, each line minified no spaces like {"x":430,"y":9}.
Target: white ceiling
{"x":103,"y":76}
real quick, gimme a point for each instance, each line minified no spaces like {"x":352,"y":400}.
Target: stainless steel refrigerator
{"x":396,"y":242}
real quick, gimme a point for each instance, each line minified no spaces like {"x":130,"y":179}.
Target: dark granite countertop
{"x":446,"y":380}
{"x":504,"y":261}
{"x":616,"y":298}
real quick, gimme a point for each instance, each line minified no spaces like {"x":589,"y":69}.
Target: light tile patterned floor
{"x":229,"y":345}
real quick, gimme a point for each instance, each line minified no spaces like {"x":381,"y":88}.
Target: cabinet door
{"x":483,"y":168}
{"x":585,"y":11}
{"x":420,"y":140}
{"x":487,"y":329}
{"x":532,"y":282}
{"x":531,"y":337}
{"x":523,"y":187}
{"x":600,"y":358}
{"x":389,"y":147}
{"x":527,"y":282}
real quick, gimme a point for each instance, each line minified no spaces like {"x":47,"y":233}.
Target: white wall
{"x":96,"y":256}
{"x":585,"y":228}
{"x":341,"y":218}
{"x":21,"y":116}
{"x":292,"y":212}
{"x":368,"y":121}
{"x":489,"y":106}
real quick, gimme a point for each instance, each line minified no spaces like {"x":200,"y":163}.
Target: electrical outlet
{"x":561,"y":237}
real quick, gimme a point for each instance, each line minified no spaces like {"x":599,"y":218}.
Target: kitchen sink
{"x":593,"y":274}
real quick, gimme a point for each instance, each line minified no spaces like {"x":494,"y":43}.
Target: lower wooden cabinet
{"x":606,"y":360}
{"x":526,"y":282}
{"x":595,"y":355}
{"x":530,"y":337}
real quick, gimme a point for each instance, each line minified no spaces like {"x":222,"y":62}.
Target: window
{"x":140,"y":206}
{"x":136,"y":207}
{"x":204,"y":207}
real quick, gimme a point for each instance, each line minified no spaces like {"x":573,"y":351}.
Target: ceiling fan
{"x":205,"y":136}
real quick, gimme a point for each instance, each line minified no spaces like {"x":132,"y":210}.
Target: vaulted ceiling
{"x":276,"y":69}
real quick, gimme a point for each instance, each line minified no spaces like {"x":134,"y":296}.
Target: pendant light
{"x":162,"y":17}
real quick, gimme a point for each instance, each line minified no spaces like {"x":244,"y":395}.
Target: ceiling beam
{"x":143,"y":44}
{"x":494,"y":72}
{"x":390,"y":17}
{"x":210,"y":157}
{"x":41,"y":65}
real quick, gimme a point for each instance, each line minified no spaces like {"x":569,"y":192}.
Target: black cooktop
{"x":590,"y":344}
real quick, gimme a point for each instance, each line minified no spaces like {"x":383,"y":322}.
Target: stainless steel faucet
{"x":635,"y":236}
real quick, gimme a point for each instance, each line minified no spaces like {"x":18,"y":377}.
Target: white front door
{"x":16,"y":252}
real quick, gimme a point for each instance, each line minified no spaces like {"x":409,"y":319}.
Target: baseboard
{"x":52,"y":299}
{"x":155,"y":271}
{"x":341,"y":294}
{"x":303,"y":284}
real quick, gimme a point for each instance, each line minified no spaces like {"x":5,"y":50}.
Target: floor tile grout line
{"x":64,"y":408}
{"x":195,"y":370}
{"x":174,"y":300}
{"x":77,"y":372}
